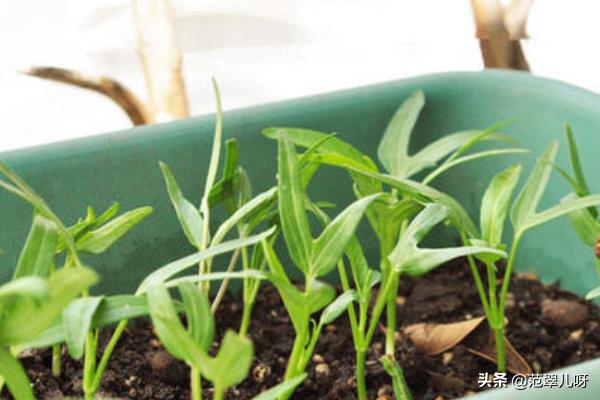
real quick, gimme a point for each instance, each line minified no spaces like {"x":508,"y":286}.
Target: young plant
{"x":92,"y":235}
{"x":192,"y":344}
{"x":524,"y":216}
{"x":313,"y":257}
{"x":584,"y":221}
{"x":395,"y":209}
{"x":28,"y":305}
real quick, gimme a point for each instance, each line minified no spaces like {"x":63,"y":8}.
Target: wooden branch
{"x":161,"y":59}
{"x":133,"y":107}
{"x":500,"y":46}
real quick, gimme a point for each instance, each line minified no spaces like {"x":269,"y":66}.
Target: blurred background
{"x":156,"y":57}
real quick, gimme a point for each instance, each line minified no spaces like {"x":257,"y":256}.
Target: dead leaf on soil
{"x":432,"y":338}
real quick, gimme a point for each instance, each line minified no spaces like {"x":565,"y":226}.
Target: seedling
{"x":395,"y":209}
{"x":524,"y":216}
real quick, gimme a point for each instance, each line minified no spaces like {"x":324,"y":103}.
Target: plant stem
{"x":500,"y":350}
{"x":598,"y":267}
{"x":225,"y":283}
{"x":361,"y":386}
{"x":89,"y":365}
{"x":297,"y":351}
{"x":379,"y":305}
{"x":219,"y":393}
{"x":110,"y":347}
{"x":507,"y":274}
{"x":390,"y":334}
{"x":246,"y":314}
{"x":56,"y":360}
{"x":196,"y":384}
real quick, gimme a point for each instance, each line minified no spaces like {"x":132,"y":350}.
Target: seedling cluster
{"x":47,"y":303}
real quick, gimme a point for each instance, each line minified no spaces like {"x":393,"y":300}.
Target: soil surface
{"x":549,"y":327}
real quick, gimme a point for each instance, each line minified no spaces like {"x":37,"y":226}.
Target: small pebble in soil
{"x":564,"y":313}
{"x":318,"y":359}
{"x":166,"y":368}
{"x":322,"y":371}
{"x":261,"y":372}
{"x":447,"y":357}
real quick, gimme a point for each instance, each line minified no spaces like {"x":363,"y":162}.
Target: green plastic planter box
{"x":123,"y":167}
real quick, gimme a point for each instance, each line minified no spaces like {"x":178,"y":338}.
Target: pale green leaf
{"x":232,"y":363}
{"x":281,"y":389}
{"x":188,"y":215}
{"x":201,"y":324}
{"x":528,"y":199}
{"x":294,"y":221}
{"x":593,"y":294}
{"x":560,"y":210}
{"x":586,"y":226}
{"x":393,"y":148}
{"x":77,"y":321}
{"x":496,"y":203}
{"x":100,"y":239}
{"x":16,"y":377}
{"x":329,"y":247}
{"x":38,"y":253}
{"x":337,"y":307}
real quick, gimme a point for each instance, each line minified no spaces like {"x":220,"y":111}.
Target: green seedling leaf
{"x":199,"y":317}
{"x":471,"y":157}
{"x":105,"y":216}
{"x":581,"y":187}
{"x":393,"y":148}
{"x":216,"y":149}
{"x":318,"y":295}
{"x":424,"y":194}
{"x":593,"y":294}
{"x":528,"y":199}
{"x":188,"y":215}
{"x":561,"y":209}
{"x":169,"y":329}
{"x":38,"y":253}
{"x":100,"y":239}
{"x":337,"y":307}
{"x":328,"y":248}
{"x":408,"y":258}
{"x":262,"y":201}
{"x":14,"y":374}
{"x":309,"y":139}
{"x":111,"y":310}
{"x":294,"y":221}
{"x":77,"y":322}
{"x":232,"y":363}
{"x":586,"y":226}
{"x":282,"y":389}
{"x":166,"y":272}
{"x":496,"y":203}
{"x":29,"y":288}
{"x":27,"y":319}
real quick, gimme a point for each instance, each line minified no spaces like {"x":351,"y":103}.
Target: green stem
{"x":598,"y":267}
{"x":219,"y":393}
{"x":297,"y":351}
{"x":246,"y":315}
{"x":361,"y":386}
{"x":477,"y":277}
{"x":110,"y":347}
{"x":56,"y":360}
{"x":380,"y":305}
{"x":500,"y":350}
{"x":89,"y":364}
{"x":196,"y":384}
{"x":507,"y":274}
{"x":390,"y":334}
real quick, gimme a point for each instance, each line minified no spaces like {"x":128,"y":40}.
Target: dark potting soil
{"x":549,"y":327}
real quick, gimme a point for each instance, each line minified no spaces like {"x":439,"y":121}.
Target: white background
{"x":260,"y":51}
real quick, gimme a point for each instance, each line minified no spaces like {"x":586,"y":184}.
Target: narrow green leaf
{"x":30,"y":288}
{"x":496,"y":203}
{"x":581,"y":187}
{"x":471,"y":157}
{"x":318,"y":295}
{"x":173,"y":268}
{"x":188,"y":215}
{"x":38,"y":253}
{"x":393,"y":148}
{"x":77,"y":321}
{"x":586,"y":226}
{"x":560,"y":210}
{"x":528,"y":199}
{"x":329,"y":247}
{"x":281,"y":389}
{"x":15,"y":376}
{"x":169,"y":329}
{"x":216,"y":149}
{"x":337,"y":307}
{"x":100,"y":239}
{"x":308,"y":138}
{"x":294,"y":221}
{"x":106,"y":215}
{"x":233,"y":361}
{"x":199,"y":317}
